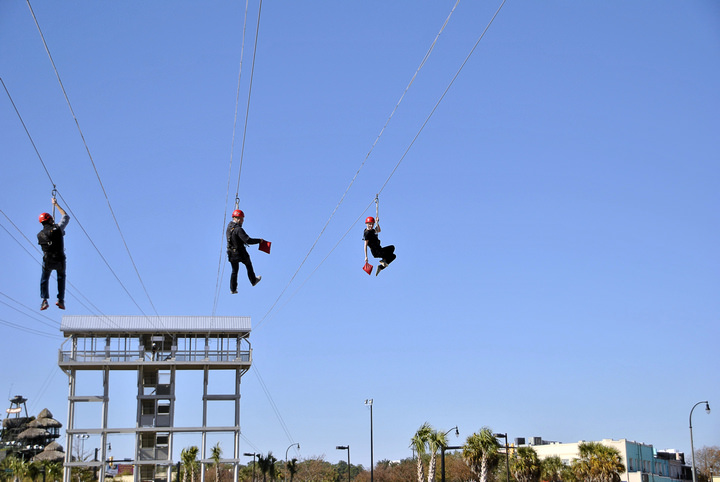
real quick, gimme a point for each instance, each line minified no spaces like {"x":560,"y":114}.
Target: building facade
{"x":643,"y":463}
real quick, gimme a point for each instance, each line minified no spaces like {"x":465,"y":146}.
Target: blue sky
{"x":556,"y":220}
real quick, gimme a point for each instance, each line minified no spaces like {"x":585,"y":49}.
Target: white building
{"x":642,"y":462}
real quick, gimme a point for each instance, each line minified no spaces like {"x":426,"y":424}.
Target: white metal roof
{"x":75,"y":324}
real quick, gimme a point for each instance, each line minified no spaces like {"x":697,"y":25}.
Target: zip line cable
{"x":28,"y":330}
{"x":44,"y":387}
{"x":272,"y":404}
{"x":382,"y":188}
{"x":432,"y":112}
{"x":54,"y":326}
{"x":352,"y":226}
{"x":28,"y":133}
{"x":362,"y":164}
{"x":247,"y":107}
{"x":221,"y":265}
{"x":92,"y":161}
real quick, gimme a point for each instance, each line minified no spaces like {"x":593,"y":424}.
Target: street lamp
{"x":507,"y":454}
{"x":346,"y":447}
{"x":692,"y":449}
{"x":369,"y":401}
{"x":442,"y":453}
{"x":83,"y":437}
{"x":246,"y":454}
{"x":286,"y":451}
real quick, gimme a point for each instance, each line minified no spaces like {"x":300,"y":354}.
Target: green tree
{"x":525,"y":466}
{"x":188,"y":457}
{"x":551,"y":469}
{"x":215,"y":455}
{"x":435,"y":441}
{"x":480,"y":452}
{"x":419,"y":443}
{"x":598,"y":463}
{"x":292,"y":468}
{"x":266,"y":465}
{"x":53,"y":471}
{"x":33,"y":471}
{"x":18,"y":467}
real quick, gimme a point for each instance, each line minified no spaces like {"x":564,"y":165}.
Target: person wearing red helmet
{"x":50,"y":240}
{"x":237,"y":239}
{"x":386,"y":254}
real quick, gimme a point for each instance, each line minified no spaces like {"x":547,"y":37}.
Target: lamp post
{"x":246,"y":454}
{"x":369,"y":401}
{"x":692,"y":448}
{"x":507,"y":454}
{"x":346,"y":447}
{"x":442,"y":453}
{"x":286,"y":452}
{"x":83,"y":437}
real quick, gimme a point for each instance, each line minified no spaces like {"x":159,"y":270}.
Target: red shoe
{"x":44,"y":305}
{"x":60,"y":304}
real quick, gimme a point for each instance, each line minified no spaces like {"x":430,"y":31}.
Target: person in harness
{"x":50,"y":240}
{"x":386,"y":254}
{"x":237,"y":239}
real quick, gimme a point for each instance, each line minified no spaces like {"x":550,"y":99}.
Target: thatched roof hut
{"x":54,"y":446}
{"x":45,"y":413}
{"x":49,"y":455}
{"x":45,"y":422}
{"x":32,"y":433}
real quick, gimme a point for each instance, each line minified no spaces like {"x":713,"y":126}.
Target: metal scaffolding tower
{"x":156,"y":347}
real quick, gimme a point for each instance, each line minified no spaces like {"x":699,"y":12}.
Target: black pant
{"x":235,"y":260}
{"x":387,"y":253}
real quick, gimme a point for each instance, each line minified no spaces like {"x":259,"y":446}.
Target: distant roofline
{"x":96,"y":324}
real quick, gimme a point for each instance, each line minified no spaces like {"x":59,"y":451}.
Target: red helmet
{"x":238,"y":214}
{"x":370,"y":220}
{"x":44,"y":217}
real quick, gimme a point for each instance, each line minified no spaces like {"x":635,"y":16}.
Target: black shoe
{"x":233,"y":292}
{"x":257,"y":280}
{"x":44,"y":305}
{"x":60,"y":304}
{"x":381,"y":266}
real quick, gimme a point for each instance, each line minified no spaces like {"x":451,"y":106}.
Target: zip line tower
{"x":157,"y":348}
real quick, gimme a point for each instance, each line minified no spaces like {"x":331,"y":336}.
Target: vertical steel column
{"x":104,"y":426}
{"x":236,"y":451}
{"x":206,"y":370}
{"x":71,"y":417}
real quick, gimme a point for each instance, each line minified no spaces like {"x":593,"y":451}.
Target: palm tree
{"x":188,"y":456}
{"x":552,"y":469}
{"x":419,"y":443}
{"x":292,"y":468}
{"x":215,"y":455}
{"x":598,"y":463}
{"x":525,"y":465}
{"x":435,"y":441}
{"x":54,"y":471}
{"x":267,"y":466}
{"x":480,"y":452}
{"x":18,"y":467}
